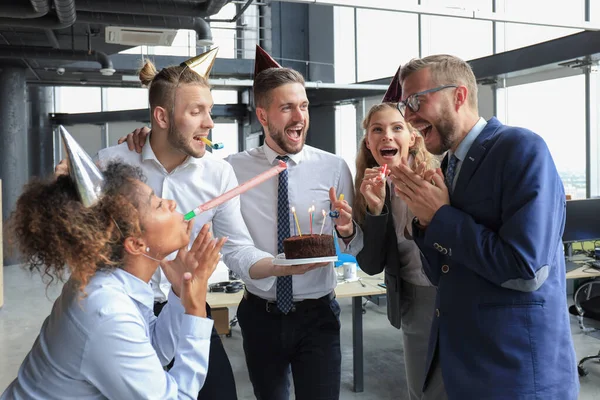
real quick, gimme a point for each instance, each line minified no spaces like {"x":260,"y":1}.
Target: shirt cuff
{"x":197,"y":327}
{"x":355,"y":245}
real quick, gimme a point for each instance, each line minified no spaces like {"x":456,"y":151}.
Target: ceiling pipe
{"x":54,"y":54}
{"x":235,"y":17}
{"x":214,"y":6}
{"x":37,"y":8}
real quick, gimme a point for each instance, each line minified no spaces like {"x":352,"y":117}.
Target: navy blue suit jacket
{"x":501,"y":328}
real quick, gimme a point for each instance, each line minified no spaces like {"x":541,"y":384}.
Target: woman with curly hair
{"x":386,"y":224}
{"x":101,"y":339}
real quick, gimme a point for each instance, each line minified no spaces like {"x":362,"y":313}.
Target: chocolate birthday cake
{"x":308,"y":246}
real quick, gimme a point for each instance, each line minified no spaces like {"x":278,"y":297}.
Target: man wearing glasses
{"x":490,"y":224}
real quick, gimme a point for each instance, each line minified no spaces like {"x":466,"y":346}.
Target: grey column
{"x":14,"y":168}
{"x":321,"y":133}
{"x":40,"y":135}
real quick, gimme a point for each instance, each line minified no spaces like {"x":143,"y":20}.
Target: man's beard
{"x":447,"y":130}
{"x":181,"y":143}
{"x":279,"y":139}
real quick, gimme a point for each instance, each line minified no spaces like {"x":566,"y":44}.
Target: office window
{"x":385,"y":39}
{"x":469,"y":5}
{"x":520,"y":35}
{"x":344,"y":50}
{"x":446,"y":35}
{"x":345,"y":134}
{"x":541,"y":107}
{"x":77,"y":99}
{"x":224,"y":33}
{"x":126,"y":99}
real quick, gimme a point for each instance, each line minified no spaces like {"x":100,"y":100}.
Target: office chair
{"x":584,"y":293}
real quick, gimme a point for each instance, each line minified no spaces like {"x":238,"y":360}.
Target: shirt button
{"x":445,"y":268}
{"x":437,"y":312}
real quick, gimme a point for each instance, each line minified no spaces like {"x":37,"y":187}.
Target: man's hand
{"x":285,"y":270}
{"x":343,"y":223}
{"x":62,"y":168}
{"x":423,"y":197}
{"x":265,"y":268}
{"x":136,"y":139}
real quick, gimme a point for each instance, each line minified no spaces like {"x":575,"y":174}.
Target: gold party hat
{"x":82,"y":170}
{"x":203,"y":63}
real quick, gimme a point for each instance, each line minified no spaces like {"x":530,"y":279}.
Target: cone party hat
{"x":394,"y":91}
{"x":82,"y":170}
{"x":263,"y":61}
{"x":202,"y":63}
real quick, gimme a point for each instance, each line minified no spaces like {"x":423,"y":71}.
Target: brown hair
{"x":365,"y":159}
{"x":162,"y":84}
{"x":272,"y":78}
{"x":445,"y":69}
{"x":54,"y":233}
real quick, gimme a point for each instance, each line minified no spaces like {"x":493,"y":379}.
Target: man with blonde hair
{"x":490,"y":226}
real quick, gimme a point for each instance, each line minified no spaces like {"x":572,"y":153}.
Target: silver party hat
{"x":86,"y":175}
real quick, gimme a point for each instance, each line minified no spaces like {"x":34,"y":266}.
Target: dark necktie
{"x":451,"y":172}
{"x":284,"y":283}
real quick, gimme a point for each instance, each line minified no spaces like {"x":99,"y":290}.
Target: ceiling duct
{"x":142,"y":7}
{"x":56,"y":54}
{"x":65,"y":11}
{"x":36,"y":9}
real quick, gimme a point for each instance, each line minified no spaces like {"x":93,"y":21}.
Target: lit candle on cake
{"x":323,"y":224}
{"x":296,"y":219}
{"x":311,"y":214}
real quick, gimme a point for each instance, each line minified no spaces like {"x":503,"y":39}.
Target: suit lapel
{"x":474,"y":157}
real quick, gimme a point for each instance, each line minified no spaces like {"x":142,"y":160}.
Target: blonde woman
{"x":386,"y":224}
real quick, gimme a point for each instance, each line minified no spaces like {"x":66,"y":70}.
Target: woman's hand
{"x":373,"y":190}
{"x":203,"y":259}
{"x":190,"y":270}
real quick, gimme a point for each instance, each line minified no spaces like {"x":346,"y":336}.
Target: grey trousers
{"x":418,"y":305}
{"x":435,"y":387}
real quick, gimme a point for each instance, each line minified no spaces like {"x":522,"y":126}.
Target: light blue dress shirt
{"x":465,"y":145}
{"x":108,"y":344}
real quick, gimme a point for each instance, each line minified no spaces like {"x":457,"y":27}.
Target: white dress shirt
{"x":310,"y":175}
{"x":191,"y":184}
{"x":109,"y":344}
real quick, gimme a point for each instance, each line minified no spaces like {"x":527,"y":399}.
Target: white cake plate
{"x":281,"y":260}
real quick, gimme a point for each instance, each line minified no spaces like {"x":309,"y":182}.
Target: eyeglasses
{"x":413,"y":101}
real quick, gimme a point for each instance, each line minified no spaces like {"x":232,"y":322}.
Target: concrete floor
{"x":27,"y":303}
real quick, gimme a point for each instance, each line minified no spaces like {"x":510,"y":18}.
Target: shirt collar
{"x":272,"y":155}
{"x":135,"y":288}
{"x":148,"y":154}
{"x":465,"y":145}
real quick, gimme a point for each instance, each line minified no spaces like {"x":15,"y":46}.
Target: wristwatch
{"x":418,"y":224}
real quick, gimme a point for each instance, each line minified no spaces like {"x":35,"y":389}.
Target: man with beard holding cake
{"x":290,"y":322}
{"x":289,"y":316}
